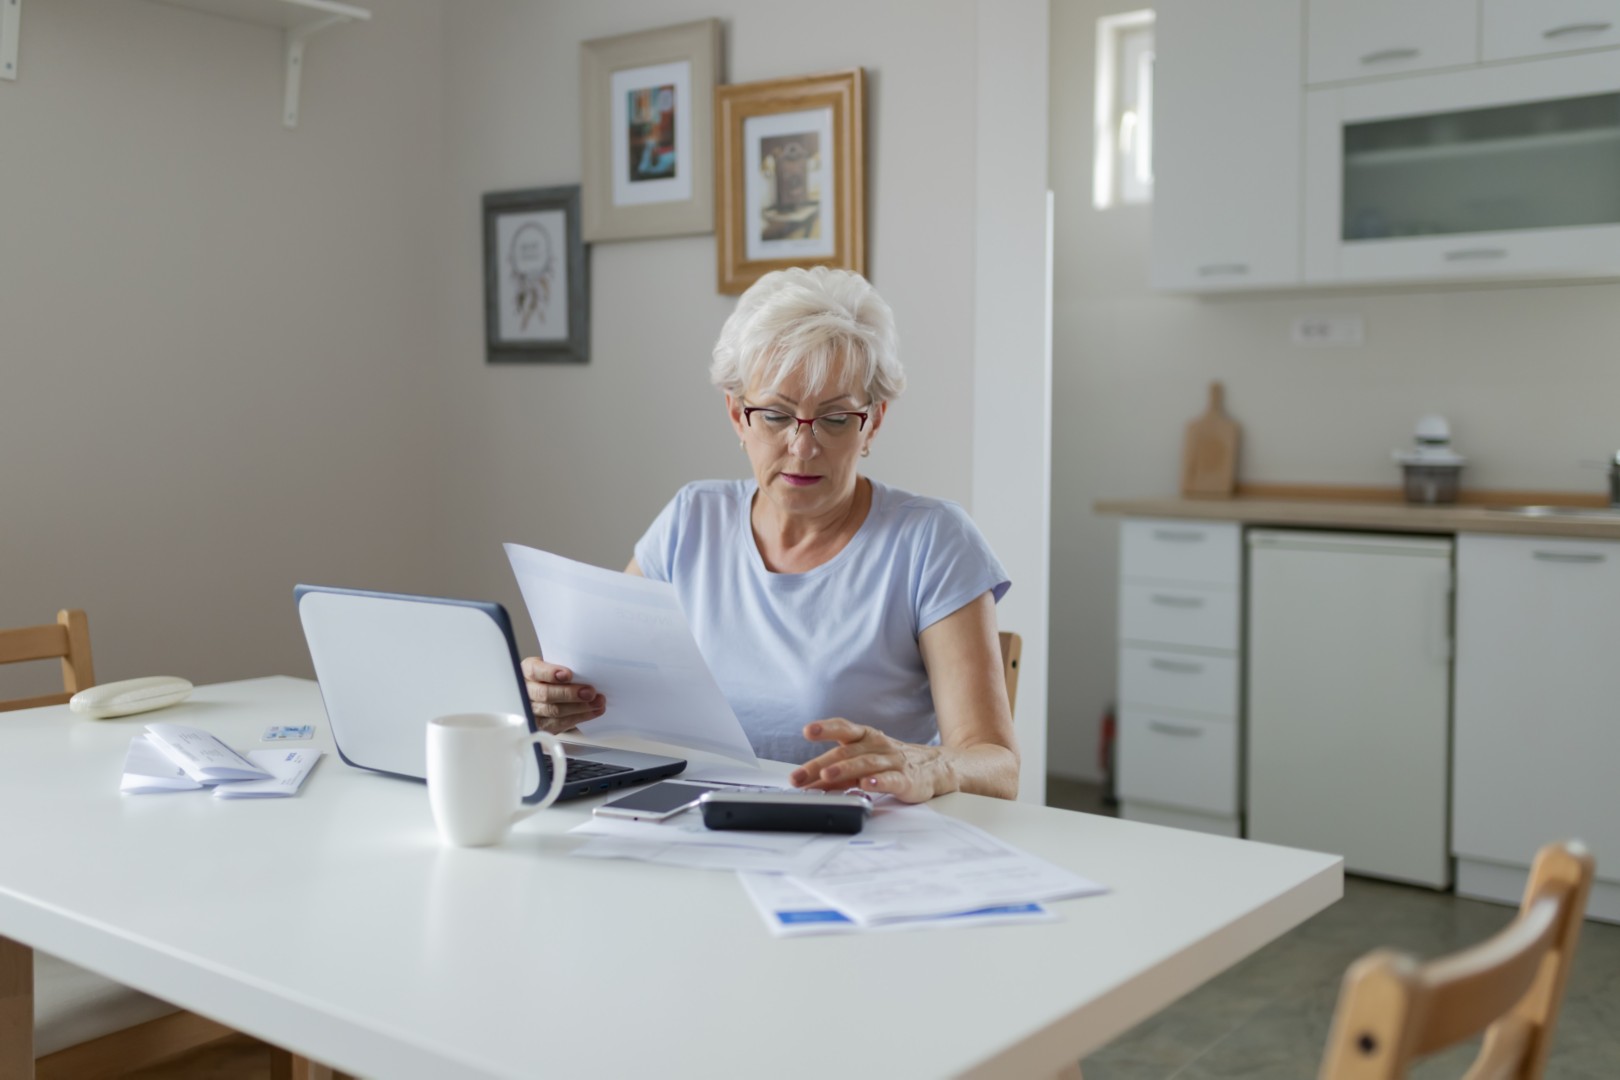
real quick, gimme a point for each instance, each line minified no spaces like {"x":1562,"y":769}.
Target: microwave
{"x":1508,"y":171}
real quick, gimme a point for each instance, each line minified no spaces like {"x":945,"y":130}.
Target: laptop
{"x":388,"y":663}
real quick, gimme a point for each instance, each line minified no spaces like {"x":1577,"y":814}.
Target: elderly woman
{"x":831,"y":607}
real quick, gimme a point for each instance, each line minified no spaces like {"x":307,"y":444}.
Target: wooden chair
{"x":63,"y":1020}
{"x":1393,"y":1009}
{"x":1012,"y":648}
{"x":68,"y":638}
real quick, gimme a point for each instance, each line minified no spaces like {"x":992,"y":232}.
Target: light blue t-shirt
{"x":839,"y":640}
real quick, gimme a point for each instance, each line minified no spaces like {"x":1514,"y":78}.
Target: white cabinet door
{"x":1227,"y":99}
{"x":1354,"y":39}
{"x":1509,"y":171}
{"x":1514,"y":28}
{"x":1537,"y":742}
{"x":1348,"y":698}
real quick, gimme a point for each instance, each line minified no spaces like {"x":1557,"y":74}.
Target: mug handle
{"x":559,"y":766}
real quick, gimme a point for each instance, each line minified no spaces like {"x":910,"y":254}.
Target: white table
{"x":334,"y":925}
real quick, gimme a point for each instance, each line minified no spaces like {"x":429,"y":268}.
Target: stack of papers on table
{"x":173,"y":757}
{"x":910,"y":867}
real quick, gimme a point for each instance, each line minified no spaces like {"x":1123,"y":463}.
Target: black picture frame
{"x":521,"y":275}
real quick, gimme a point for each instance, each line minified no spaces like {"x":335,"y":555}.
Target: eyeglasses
{"x":831,"y":429}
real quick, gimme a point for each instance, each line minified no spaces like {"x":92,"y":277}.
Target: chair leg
{"x":285,"y":1065}
{"x":16,"y":1011}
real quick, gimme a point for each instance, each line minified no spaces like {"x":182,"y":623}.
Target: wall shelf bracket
{"x":296,"y":36}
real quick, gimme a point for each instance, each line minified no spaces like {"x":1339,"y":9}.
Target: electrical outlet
{"x":1327,"y":330}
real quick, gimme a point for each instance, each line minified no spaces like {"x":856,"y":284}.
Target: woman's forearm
{"x":984,"y":769}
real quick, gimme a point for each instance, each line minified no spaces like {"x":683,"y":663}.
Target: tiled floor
{"x":1267,"y":1018}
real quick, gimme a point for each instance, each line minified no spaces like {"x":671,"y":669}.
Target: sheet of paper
{"x":628,"y":637}
{"x":931,"y":864}
{"x":789,"y":910}
{"x":684,"y":841}
{"x":287,"y":769}
{"x":203,"y":757}
{"x":147,"y":770}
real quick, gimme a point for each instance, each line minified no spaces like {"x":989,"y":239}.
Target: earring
{"x":741,"y":445}
{"x":866,"y":451}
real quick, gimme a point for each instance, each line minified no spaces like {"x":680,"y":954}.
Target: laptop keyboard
{"x":590,"y":770}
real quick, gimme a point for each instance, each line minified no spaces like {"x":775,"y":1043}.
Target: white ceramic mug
{"x":475,"y":775}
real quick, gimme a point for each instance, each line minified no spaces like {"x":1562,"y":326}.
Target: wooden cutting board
{"x":1209,"y":456}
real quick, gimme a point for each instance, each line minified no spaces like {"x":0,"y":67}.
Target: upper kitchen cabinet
{"x":1508,"y":171}
{"x":1228,"y":97}
{"x":1514,"y":28}
{"x":1354,"y":39}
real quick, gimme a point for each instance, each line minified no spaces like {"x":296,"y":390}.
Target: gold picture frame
{"x":648,"y":165}
{"x":779,"y":146}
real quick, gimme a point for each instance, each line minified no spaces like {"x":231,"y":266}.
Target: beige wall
{"x":1527,"y":375}
{"x":214,"y":332}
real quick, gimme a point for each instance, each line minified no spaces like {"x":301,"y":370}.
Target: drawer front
{"x":1173,"y":680}
{"x":1179,"y":615}
{"x":1205,"y":552}
{"x":1178,"y":761}
{"x":1514,"y":28}
{"x":1358,"y":39}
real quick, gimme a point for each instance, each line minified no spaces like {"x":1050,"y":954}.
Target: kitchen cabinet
{"x":1512,"y":28}
{"x":1504,"y":171}
{"x":1354,"y":39}
{"x":1537,"y":739}
{"x":1227,"y":107}
{"x":1180,"y":584}
{"x":1348,"y":712}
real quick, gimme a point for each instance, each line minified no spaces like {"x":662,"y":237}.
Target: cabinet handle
{"x":1175,"y":729}
{"x":1166,"y":600}
{"x":1576,"y":28}
{"x":1571,"y":556}
{"x":1229,"y":269}
{"x":1464,"y":254}
{"x":1179,"y":667}
{"x":1182,"y":536}
{"x":1384,"y":56}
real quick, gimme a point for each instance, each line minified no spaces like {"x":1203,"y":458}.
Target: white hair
{"x":802,"y":320}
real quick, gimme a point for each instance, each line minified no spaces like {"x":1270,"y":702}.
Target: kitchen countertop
{"x":1355,"y":514}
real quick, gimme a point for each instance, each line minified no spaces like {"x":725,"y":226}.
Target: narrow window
{"x":1123,"y":166}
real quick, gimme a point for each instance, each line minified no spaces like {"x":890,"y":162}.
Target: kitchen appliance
{"x":1431,"y":469}
{"x":1349,"y":698}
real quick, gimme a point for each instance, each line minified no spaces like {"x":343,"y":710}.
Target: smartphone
{"x":785,"y":811}
{"x":662,"y":800}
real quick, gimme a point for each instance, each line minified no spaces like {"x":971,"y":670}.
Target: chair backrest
{"x":1393,"y":1010}
{"x":68,"y":638}
{"x":1012,"y":647}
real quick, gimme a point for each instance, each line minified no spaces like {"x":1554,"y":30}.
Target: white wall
{"x":1527,"y":376}
{"x":214,"y":332}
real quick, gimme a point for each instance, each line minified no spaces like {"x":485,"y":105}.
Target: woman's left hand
{"x":872,"y":761}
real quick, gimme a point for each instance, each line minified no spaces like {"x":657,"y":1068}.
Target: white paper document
{"x":147,"y":770}
{"x":287,"y":770}
{"x":930,"y":864}
{"x":202,"y":756}
{"x":789,"y":910}
{"x":628,"y":637}
{"x":684,"y":841}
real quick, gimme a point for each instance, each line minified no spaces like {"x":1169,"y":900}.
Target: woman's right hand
{"x":559,"y":703}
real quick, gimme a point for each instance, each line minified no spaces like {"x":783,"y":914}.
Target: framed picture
{"x":792,"y":176}
{"x":536,"y":300}
{"x":649,"y":136}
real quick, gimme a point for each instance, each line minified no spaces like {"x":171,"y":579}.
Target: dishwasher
{"x":1349,"y":698}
